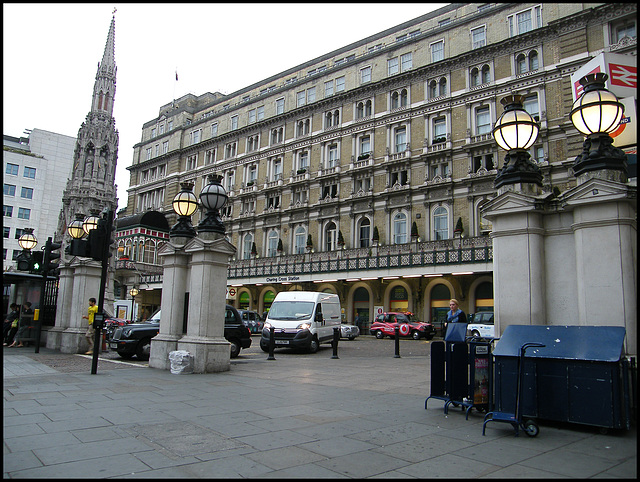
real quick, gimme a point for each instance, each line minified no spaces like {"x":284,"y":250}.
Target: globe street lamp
{"x":213,"y":197}
{"x":184,"y":204}
{"x":27,"y":241}
{"x":515,"y":131}
{"x":133,"y":292}
{"x":596,"y":113}
{"x":91,"y":222}
{"x":75,"y":228}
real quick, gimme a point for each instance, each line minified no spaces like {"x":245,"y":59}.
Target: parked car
{"x":251,"y":320}
{"x":427,"y":329}
{"x":481,"y":325}
{"x":135,"y":338}
{"x":349,"y":331}
{"x":110,"y":325}
{"x":385,"y":324}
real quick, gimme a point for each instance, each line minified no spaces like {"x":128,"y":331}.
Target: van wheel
{"x":314,"y":345}
{"x":475,"y":334}
{"x":235,"y":348}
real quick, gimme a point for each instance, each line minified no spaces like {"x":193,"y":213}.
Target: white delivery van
{"x":301,"y":319}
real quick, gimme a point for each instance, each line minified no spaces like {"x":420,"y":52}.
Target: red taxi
{"x":385,"y":324}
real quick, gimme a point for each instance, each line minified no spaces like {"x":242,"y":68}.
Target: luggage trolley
{"x":529,"y":426}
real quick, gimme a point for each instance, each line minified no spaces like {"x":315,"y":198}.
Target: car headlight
{"x":303,"y":326}
{"x":266,"y":325}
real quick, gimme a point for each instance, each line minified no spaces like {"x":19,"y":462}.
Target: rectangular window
{"x":149,"y":153}
{"x":483,"y":121}
{"x":525,"y":21}
{"x":234,"y":122}
{"x":260,"y":112}
{"x":12,"y":169}
{"x":311,"y":94}
{"x":30,"y":172}
{"x":340,"y":84}
{"x":9,"y":190}
{"x":165,"y":147}
{"x":153,"y":133}
{"x":280,"y":106}
{"x":333,"y":156}
{"x":7,"y":231}
{"x":439,"y":130}
{"x":405,"y":62}
{"x":7,"y":210}
{"x":478,"y":37}
{"x":365,"y":145}
{"x":400,"y":139}
{"x":301,"y":98}
{"x":530,"y":104}
{"x":24,"y":213}
{"x":195,"y":136}
{"x":328,"y":88}
{"x":161,"y":129}
{"x":392,"y":66}
{"x":365,"y":75}
{"x":252,"y":116}
{"x":170,"y":125}
{"x":26,"y":193}
{"x":437,"y":51}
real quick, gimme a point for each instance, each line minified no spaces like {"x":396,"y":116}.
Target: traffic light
{"x":96,"y":241}
{"x":24,"y":260}
{"x":35,"y":262}
{"x":78,"y":247}
{"x":50,"y":256}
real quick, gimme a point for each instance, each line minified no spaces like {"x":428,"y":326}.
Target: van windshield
{"x":291,"y":310}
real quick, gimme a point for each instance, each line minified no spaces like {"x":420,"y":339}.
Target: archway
{"x":440,"y":296}
{"x":361,"y":309}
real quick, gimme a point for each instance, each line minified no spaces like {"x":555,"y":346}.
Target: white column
{"x":63,"y":308}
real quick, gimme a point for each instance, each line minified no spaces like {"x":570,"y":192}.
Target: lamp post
{"x":213,"y":197}
{"x":596,"y":113}
{"x":515,"y":131}
{"x":133,"y":292}
{"x":184,"y":204}
{"x":28,"y":241}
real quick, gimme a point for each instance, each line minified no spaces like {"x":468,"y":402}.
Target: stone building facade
{"x":387,"y":136}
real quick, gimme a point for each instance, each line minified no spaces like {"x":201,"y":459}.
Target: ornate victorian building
{"x":363,"y":171}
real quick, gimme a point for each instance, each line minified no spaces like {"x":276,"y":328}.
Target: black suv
{"x":135,"y":338}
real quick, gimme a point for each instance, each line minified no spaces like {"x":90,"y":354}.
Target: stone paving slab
{"x":292,"y":417}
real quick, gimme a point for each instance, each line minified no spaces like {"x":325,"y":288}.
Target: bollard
{"x":397,"y":330}
{"x":334,"y":343}
{"x":272,"y":343}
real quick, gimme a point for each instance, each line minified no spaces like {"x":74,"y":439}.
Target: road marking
{"x":115,"y":361}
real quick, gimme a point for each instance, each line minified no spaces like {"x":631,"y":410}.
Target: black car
{"x":251,"y":320}
{"x":135,"y":338}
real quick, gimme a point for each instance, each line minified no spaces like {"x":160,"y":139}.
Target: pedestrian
{"x":23,"y":325}
{"x":357,"y":320}
{"x":455,"y":314}
{"x":10,"y":325}
{"x":93,"y":309}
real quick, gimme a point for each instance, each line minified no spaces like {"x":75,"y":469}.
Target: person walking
{"x":10,"y":325}
{"x":455,"y":314}
{"x":23,"y":325}
{"x":91,"y":313}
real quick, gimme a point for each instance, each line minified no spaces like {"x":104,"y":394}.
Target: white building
{"x":32,"y":197}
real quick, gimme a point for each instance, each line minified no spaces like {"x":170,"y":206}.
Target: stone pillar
{"x":63,"y":308}
{"x":86,"y":284}
{"x":205,"y":340}
{"x":518,"y":259}
{"x":174,"y":286}
{"x":605,"y":243}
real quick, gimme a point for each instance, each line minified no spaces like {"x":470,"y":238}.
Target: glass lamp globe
{"x":91,"y":222}
{"x":185,"y":202}
{"x":76,"y":228}
{"x":515,"y":128}
{"x":28,"y":240}
{"x":597,"y":110}
{"x":213,"y":196}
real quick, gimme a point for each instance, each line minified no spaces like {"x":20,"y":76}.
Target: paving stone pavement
{"x":360,"y":416}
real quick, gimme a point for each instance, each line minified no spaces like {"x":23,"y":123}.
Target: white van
{"x":301,"y":319}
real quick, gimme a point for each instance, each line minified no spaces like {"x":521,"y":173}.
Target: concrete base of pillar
{"x":161,"y":346}
{"x":210,"y":355}
{"x":54,"y":338}
{"x":72,"y":340}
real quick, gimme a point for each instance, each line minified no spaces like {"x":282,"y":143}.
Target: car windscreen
{"x":291,"y":310}
{"x":155,"y":317}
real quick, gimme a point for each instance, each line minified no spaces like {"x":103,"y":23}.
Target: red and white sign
{"x":621,"y":69}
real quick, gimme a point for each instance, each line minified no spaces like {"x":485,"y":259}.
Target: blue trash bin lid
{"x":596,"y":343}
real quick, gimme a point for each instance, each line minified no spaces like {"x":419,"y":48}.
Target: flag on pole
{"x":176,"y":75}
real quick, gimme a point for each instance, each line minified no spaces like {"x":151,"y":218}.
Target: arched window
{"x":149,"y":254}
{"x":533,"y":60}
{"x":367,"y":108}
{"x":440,"y":223}
{"x":247,"y":242}
{"x":272,"y":243}
{"x":364,"y":233}
{"x":486,"y":74}
{"x":433,"y":89}
{"x":521,"y":64}
{"x":443,"y":86}
{"x":404,"y":98}
{"x":400,"y":228}
{"x":300,"y":240}
{"x":100,"y":101}
{"x":394,"y":100}
{"x":330,"y":236}
{"x":475,"y":77}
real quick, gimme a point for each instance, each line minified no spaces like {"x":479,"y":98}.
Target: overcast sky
{"x":51,"y":54}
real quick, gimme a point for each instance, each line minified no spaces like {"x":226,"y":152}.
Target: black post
{"x":106,"y":224}
{"x":272,"y":343}
{"x":334,"y":343}
{"x":43,"y":289}
{"x":397,"y":330}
